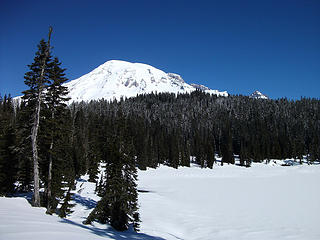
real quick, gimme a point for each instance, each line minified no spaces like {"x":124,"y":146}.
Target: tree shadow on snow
{"x":87,"y":202}
{"x":81,"y":180}
{"x":110,"y":233}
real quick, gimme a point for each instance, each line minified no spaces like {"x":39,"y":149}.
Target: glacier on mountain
{"x":115,"y":79}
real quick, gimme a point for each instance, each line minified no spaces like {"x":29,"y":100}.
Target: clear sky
{"x":238,"y":46}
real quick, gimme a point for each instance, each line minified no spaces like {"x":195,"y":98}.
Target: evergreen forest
{"x":162,"y":128}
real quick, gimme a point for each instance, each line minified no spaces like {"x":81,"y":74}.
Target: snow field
{"x":229,"y":202}
{"x":266,"y":201}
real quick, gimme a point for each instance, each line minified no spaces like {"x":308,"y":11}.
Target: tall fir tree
{"x":37,"y":79}
{"x":55,"y":125}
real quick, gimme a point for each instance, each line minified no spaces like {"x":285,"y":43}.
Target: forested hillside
{"x":168,"y":129}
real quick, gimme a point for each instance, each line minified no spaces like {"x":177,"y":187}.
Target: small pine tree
{"x":100,"y":187}
{"x":93,"y":167}
{"x":66,"y":206}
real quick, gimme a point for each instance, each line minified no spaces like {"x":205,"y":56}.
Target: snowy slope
{"x":258,"y":95}
{"x":265,"y":202}
{"x":20,"y":221}
{"x":115,"y":79}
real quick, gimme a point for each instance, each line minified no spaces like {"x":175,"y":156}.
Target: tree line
{"x":170,"y":129}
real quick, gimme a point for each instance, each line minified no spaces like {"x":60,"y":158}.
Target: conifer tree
{"x":210,"y":155}
{"x":119,"y":205}
{"x":8,"y":161}
{"x":55,"y":99}
{"x":94,"y":149}
{"x":37,"y":79}
{"x":66,"y":206}
{"x":226,"y":145}
{"x":79,"y":141}
{"x":24,"y":147}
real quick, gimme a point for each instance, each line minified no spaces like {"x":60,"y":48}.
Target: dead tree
{"x":35,"y":126}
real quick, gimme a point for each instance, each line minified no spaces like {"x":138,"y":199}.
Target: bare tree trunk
{"x":34,"y":134}
{"x":35,"y":128}
{"x":49,"y":194}
{"x":49,"y":182}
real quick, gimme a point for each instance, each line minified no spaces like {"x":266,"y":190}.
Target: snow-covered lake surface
{"x":229,"y":202}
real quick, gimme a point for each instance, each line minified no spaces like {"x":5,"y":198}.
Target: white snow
{"x":115,"y":79}
{"x":258,"y":95}
{"x":18,"y":220}
{"x":230,"y":202}
{"x":266,"y":201}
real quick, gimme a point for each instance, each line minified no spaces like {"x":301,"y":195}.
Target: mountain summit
{"x":115,"y":79}
{"x":258,"y":95}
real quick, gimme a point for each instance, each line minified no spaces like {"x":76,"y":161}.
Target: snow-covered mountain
{"x":258,"y":95}
{"x":115,"y":79}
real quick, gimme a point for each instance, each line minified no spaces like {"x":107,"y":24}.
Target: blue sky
{"x":238,"y":46}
